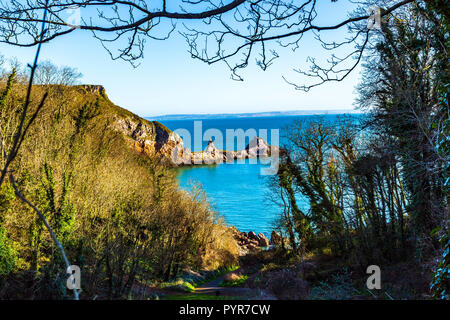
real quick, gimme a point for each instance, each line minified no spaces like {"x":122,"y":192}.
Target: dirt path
{"x":213,"y":288}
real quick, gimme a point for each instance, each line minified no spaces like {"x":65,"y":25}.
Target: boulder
{"x":248,"y":242}
{"x":251,"y":235}
{"x":275,"y":238}
{"x":263,"y":241}
{"x":257,"y":148}
{"x":210,"y":155}
{"x":239,"y":155}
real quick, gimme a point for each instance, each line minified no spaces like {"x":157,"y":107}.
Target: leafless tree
{"x":233,"y":32}
{"x":215,"y":31}
{"x":48,"y":73}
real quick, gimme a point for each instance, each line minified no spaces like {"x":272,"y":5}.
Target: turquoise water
{"x":238,"y":190}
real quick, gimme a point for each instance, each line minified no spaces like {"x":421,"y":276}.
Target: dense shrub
{"x":119,"y":215}
{"x":7,"y":255}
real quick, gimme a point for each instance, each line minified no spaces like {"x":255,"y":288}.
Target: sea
{"x":239,"y":191}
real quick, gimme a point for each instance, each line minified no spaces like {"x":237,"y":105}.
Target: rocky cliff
{"x":256,"y":148}
{"x":153,"y":139}
{"x":150,"y":138}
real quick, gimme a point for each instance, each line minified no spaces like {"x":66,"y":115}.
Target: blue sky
{"x":169,"y":81}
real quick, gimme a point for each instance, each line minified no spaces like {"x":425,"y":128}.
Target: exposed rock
{"x":263,"y":241}
{"x":245,"y":242}
{"x":94,"y":88}
{"x":151,"y":138}
{"x":210,"y":155}
{"x":239,"y":155}
{"x":257,"y":148}
{"x":252,"y":242}
{"x":211,"y":148}
{"x":253,"y":236}
{"x":275,"y":238}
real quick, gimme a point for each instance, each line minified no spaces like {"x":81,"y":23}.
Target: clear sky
{"x":169,"y":81}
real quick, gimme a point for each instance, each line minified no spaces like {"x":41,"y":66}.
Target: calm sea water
{"x":238,"y":191}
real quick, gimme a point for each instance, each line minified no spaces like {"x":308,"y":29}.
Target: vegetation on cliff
{"x":118,"y":213}
{"x":378,"y":196}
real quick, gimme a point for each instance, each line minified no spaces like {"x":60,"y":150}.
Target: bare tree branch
{"x":226,"y":30}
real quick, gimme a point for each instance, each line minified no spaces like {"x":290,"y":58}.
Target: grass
{"x":215,"y":275}
{"x":189,"y":284}
{"x":178,"y":285}
{"x":235,"y":283}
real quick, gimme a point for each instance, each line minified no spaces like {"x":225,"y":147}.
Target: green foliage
{"x":119,"y":214}
{"x":235,"y":283}
{"x":7,"y":91}
{"x":400,"y":88}
{"x":85,"y":114}
{"x":441,"y":278}
{"x":7,"y":196}
{"x":178,"y":285}
{"x":345,"y":176}
{"x":7,"y":254}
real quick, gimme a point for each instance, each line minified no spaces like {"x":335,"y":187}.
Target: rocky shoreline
{"x":250,"y":242}
{"x":153,"y":139}
{"x":257,"y":148}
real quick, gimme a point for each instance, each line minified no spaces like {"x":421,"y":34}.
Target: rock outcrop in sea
{"x":250,"y":242}
{"x":151,"y":138}
{"x":154,"y":140}
{"x":275,"y":238}
{"x":257,"y":147}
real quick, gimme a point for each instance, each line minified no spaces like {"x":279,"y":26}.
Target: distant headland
{"x":250,"y":115}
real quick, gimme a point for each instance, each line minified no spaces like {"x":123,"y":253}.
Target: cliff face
{"x":95,"y":89}
{"x":154,"y":140}
{"x":150,"y":138}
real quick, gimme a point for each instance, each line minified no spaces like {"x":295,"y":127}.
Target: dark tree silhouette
{"x":233,"y":31}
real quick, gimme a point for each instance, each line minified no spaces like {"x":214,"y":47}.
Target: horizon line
{"x":293,"y":112}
